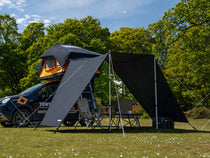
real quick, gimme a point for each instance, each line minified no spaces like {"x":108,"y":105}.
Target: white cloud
{"x":27,"y":16}
{"x":33,"y":21}
{"x":5,"y":2}
{"x":17,"y":4}
{"x":20,"y":21}
{"x":27,"y":19}
{"x":124,"y":11}
{"x":47,"y":21}
{"x":21,"y":2}
{"x":36,"y":16}
{"x":13,"y":15}
{"x":23,"y":21}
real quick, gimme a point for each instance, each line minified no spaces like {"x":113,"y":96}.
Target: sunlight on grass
{"x":85,"y":142}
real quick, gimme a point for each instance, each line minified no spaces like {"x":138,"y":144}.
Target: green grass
{"x":183,"y":141}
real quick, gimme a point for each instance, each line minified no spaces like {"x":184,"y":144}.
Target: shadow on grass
{"x":126,"y":129}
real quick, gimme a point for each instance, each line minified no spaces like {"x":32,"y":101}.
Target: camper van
{"x":34,"y":102}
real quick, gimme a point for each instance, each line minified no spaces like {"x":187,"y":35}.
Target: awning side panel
{"x":77,"y":76}
{"x":137,"y":72}
{"x":39,"y":66}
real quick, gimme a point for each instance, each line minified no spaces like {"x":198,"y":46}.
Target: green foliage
{"x":32,"y":33}
{"x":86,"y":33}
{"x":32,"y":78}
{"x":12,"y":68}
{"x":8,"y":29}
{"x":191,"y":68}
{"x":132,"y":40}
{"x":199,"y":113}
{"x":102,"y":86}
{"x":160,"y":47}
{"x":182,"y":44}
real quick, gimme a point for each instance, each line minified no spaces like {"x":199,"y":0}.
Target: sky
{"x":111,"y":13}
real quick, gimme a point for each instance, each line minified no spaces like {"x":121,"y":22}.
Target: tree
{"x":132,"y":40}
{"x":33,"y":52}
{"x":160,"y":46}
{"x":32,"y":33}
{"x":12,"y":67}
{"x":188,"y":59}
{"x":182,"y":43}
{"x":86,"y":33}
{"x":8,"y":29}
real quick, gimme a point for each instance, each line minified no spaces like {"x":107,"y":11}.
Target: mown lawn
{"x":184,"y":141}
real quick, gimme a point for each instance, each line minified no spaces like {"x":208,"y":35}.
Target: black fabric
{"x":39,"y":66}
{"x":62,"y":53}
{"x":78,"y":74}
{"x":137,"y":72}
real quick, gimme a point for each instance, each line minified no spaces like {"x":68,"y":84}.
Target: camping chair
{"x":130,"y":119}
{"x":87,"y":115}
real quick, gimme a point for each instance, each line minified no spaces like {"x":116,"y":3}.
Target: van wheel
{"x":69,"y":123}
{"x":19,"y":118}
{"x":7,"y":124}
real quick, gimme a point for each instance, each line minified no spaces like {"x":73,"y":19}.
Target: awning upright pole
{"x":110,"y":110}
{"x":156,"y":99}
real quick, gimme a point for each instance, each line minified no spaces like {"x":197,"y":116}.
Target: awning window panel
{"x":50,"y":62}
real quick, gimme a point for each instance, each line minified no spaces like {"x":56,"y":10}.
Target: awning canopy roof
{"x":62,"y":52}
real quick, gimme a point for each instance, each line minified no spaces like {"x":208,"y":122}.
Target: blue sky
{"x":111,"y":13}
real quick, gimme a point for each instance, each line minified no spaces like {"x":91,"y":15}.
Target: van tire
{"x":19,"y":120}
{"x":7,"y":124}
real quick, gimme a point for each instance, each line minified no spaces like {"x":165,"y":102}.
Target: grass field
{"x":183,"y":141}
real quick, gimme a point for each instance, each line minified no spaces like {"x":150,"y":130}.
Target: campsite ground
{"x":183,"y":141}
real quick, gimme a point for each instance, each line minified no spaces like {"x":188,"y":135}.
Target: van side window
{"x":48,"y":90}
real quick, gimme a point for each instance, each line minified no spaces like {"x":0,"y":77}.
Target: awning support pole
{"x":110,"y":109}
{"x":156,"y":99}
{"x":118,"y":102}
